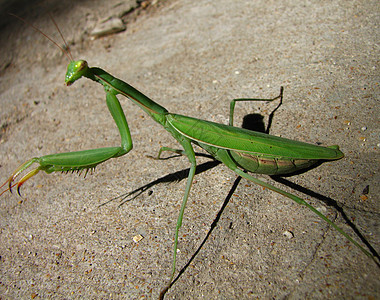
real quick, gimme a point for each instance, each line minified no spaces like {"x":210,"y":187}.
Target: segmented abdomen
{"x":270,"y":165}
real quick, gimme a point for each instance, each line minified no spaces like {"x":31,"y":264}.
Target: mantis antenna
{"x":66,"y":52}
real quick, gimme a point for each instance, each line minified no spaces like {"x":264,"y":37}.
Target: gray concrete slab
{"x":193,"y":58}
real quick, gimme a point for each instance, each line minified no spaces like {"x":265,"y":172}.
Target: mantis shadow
{"x":172,"y":177}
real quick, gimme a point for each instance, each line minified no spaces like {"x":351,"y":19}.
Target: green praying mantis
{"x":239,"y":149}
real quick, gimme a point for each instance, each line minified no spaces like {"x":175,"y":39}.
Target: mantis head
{"x":75,"y":70}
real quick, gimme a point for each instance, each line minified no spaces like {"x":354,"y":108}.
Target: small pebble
{"x":288,"y":234}
{"x":110,"y":26}
{"x":137,"y":238}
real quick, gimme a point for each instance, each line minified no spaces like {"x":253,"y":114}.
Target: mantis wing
{"x":252,"y":142}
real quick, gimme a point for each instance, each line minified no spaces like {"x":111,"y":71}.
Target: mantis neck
{"x":116,"y":86}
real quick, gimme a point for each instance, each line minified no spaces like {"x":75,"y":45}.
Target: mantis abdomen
{"x":270,"y":165}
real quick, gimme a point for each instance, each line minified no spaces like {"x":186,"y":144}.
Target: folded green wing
{"x":243,"y":140}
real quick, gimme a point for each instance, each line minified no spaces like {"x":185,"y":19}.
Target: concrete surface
{"x":193,"y":58}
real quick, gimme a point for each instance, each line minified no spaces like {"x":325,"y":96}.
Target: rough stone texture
{"x":191,"y":57}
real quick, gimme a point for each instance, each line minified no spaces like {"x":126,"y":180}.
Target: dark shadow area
{"x":34,"y":9}
{"x":255,"y":122}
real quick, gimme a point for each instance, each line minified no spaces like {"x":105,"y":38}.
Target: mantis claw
{"x":16,"y":173}
{"x":25,"y":178}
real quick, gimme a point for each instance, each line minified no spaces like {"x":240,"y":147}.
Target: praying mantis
{"x":239,"y":149}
